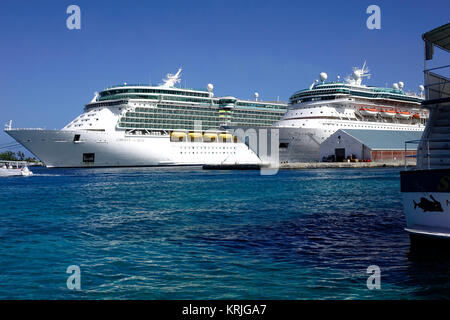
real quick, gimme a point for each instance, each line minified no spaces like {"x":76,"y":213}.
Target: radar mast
{"x":171,"y":79}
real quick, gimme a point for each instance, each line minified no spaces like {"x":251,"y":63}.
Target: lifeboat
{"x":372,"y":112}
{"x":225,"y":137}
{"x":209,"y":137}
{"x":195,"y":136}
{"x":388,"y":113}
{"x":416,"y":116}
{"x":177,"y":136}
{"x":403,"y":114}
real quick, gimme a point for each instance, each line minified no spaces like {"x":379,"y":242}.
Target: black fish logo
{"x":428,"y":205}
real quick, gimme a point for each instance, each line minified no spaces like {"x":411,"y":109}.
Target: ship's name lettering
{"x":444,"y":183}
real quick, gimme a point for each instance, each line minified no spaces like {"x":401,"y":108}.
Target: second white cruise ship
{"x":141,"y":125}
{"x":316,"y":113}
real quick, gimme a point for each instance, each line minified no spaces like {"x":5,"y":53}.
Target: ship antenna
{"x":95,"y":98}
{"x":8,"y":126}
{"x":323,"y":76}
{"x":313,"y":84}
{"x":172,"y":79}
{"x":359,"y":74}
{"x":210,"y":88}
{"x":421,"y":89}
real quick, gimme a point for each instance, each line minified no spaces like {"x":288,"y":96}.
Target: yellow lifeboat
{"x":195,"y":136}
{"x":209,"y":137}
{"x":177,"y":136}
{"x":225,"y":137}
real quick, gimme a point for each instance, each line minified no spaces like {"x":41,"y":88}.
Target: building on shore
{"x":370,"y":145}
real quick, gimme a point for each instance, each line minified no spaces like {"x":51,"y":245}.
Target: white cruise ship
{"x":317,"y":112}
{"x":141,"y":125}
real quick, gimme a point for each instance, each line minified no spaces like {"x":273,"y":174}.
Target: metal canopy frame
{"x":439,"y":37}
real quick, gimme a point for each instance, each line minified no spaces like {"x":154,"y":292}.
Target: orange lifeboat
{"x":416,"y":116}
{"x":368,"y":111}
{"x":388,"y":113}
{"x":403,"y":114}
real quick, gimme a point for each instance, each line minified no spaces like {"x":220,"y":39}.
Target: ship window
{"x":76,"y":138}
{"x":88,"y":157}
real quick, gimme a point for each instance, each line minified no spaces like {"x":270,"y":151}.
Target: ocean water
{"x":185,"y":233}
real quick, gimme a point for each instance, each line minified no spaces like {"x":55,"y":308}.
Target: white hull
{"x":420,"y":221}
{"x":303,"y":143}
{"x":56,"y":148}
{"x":14,"y":172}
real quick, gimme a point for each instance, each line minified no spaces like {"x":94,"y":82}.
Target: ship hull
{"x":426,"y":200}
{"x":299,"y":144}
{"x":58,"y":148}
{"x":303,"y":144}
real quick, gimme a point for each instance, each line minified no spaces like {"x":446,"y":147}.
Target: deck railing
{"x":425,"y":154}
{"x":436,"y":84}
{"x":29,"y":129}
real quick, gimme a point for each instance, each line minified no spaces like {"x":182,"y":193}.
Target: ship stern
{"x":426,"y":200}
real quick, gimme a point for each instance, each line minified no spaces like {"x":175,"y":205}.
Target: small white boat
{"x":14,"y":169}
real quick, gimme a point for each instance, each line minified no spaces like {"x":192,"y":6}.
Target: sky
{"x":48,"y":72}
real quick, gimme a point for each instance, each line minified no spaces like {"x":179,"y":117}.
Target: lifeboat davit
{"x":388,"y":113}
{"x":368,"y":112}
{"x":403,"y":114}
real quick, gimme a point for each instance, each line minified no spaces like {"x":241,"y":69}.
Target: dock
{"x":312,"y":165}
{"x":231,"y":167}
{"x":326,"y":165}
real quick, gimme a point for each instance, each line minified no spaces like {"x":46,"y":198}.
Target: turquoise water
{"x":184,"y":233}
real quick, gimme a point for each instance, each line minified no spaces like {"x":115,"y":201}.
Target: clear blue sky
{"x":47,"y":72}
